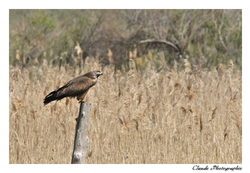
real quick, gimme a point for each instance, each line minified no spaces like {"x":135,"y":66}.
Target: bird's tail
{"x":50,"y":97}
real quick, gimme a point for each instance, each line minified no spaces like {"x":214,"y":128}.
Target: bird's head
{"x":98,"y":73}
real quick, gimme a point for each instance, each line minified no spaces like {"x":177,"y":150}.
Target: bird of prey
{"x":77,"y":87}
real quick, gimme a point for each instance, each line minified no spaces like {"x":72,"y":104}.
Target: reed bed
{"x":165,"y":117}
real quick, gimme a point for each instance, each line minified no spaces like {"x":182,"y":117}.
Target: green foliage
{"x":33,"y":30}
{"x":215,"y":35}
{"x":42,"y":23}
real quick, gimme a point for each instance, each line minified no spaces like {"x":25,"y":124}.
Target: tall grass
{"x":137,"y":117}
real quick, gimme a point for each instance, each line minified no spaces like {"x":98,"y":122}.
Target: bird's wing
{"x":76,"y":86}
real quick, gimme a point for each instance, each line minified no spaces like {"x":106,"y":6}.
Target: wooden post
{"x":81,"y":143}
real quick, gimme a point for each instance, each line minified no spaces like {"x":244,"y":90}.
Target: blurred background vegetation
{"x":67,"y":37}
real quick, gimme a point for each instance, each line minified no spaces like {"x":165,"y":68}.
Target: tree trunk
{"x":81,"y":143}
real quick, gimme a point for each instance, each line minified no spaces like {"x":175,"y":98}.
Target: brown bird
{"x":77,"y":87}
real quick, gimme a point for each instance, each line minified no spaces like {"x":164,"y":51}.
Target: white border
{"x":156,"y":4}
